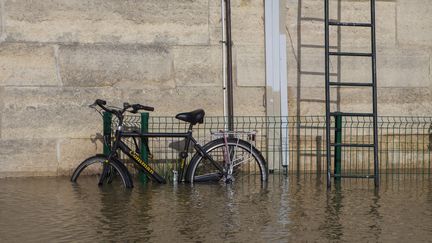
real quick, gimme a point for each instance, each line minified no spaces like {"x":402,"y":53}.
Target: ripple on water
{"x":297,"y":208}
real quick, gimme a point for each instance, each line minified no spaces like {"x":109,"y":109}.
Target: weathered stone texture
{"x":168,"y":102}
{"x":198,"y":65}
{"x":414,"y":22}
{"x":71,"y":152}
{"x":248,"y":22}
{"x":250,"y":65}
{"x":309,"y":100}
{"x":53,"y":112}
{"x":1,"y":109}
{"x":249,"y":101}
{"x":27,"y":65}
{"x":28,"y":157}
{"x":119,"y":66}
{"x":215,"y":24}
{"x":391,"y":101}
{"x":403,"y":68}
{"x":101,"y":21}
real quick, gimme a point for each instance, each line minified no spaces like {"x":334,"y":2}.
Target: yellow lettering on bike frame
{"x":144,"y":164}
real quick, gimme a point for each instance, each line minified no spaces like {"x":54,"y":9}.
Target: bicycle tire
{"x":96,"y":167}
{"x":200,"y":169}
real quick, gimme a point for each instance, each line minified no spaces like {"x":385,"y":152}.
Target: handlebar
{"x":119,"y":112}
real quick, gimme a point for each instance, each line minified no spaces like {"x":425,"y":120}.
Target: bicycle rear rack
{"x":249,"y":136}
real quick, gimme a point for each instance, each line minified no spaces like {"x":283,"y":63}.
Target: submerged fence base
{"x":297,"y":144}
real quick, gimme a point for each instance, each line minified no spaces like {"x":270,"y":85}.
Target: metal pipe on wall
{"x":224,"y":64}
{"x":230,"y":86}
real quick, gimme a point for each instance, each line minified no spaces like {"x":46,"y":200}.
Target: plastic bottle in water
{"x":175,"y":176}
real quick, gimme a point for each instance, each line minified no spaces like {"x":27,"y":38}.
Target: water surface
{"x":297,"y":208}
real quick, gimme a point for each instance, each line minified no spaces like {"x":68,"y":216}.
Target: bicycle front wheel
{"x":240,"y":160}
{"x":99,"y":170}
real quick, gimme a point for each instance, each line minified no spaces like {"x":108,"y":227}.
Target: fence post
{"x":338,"y":149}
{"x":318,"y":154}
{"x":144,"y":144}
{"x":107,"y":122}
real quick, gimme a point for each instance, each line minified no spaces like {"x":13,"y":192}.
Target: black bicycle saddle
{"x":193,"y":117}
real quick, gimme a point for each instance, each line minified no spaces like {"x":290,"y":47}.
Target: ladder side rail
{"x":327,"y":90}
{"x":374,"y":94}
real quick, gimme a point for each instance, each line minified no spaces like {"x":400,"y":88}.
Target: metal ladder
{"x":338,"y":144}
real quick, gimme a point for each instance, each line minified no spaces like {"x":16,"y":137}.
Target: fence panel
{"x":297,"y":144}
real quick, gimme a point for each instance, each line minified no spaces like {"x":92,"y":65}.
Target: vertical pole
{"x":224,"y":65}
{"x":144,"y":144}
{"x":338,"y":149}
{"x":318,"y":155}
{"x":375,"y":96}
{"x":327,"y":90}
{"x":230,"y":86}
{"x":107,"y":122}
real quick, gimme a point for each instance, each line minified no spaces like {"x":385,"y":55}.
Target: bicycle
{"x":226,"y":158}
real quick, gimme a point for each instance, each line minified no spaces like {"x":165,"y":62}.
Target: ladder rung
{"x":351,"y":84}
{"x":351,"y":114}
{"x":354,"y":176}
{"x":350,"y":54}
{"x":355,"y":145}
{"x":336,"y":23}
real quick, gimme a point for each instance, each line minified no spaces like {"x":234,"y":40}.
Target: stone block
{"x":27,"y":65}
{"x":241,"y":10}
{"x":108,"y":21}
{"x":1,"y":108}
{"x":250,"y":32}
{"x":413,"y":23}
{"x":215,"y":24}
{"x":403,"y":68}
{"x":354,"y":99}
{"x":250,"y":65}
{"x":404,"y":101}
{"x":391,"y":101}
{"x":306,"y":101}
{"x":28,"y":157}
{"x":198,"y":65}
{"x":169,"y":102}
{"x":396,"y":68}
{"x":73,"y":151}
{"x":133,"y":67}
{"x":308,"y":21}
{"x":311,"y":73}
{"x":249,"y":101}
{"x":53,"y":112}
{"x":359,"y":38}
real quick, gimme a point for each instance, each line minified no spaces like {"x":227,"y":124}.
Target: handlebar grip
{"x":148,"y":108}
{"x":100,"y":102}
{"x":142,"y":107}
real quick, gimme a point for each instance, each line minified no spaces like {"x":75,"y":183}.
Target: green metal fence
{"x":297,"y":144}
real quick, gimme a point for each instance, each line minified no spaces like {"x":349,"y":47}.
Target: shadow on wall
{"x":310,"y":59}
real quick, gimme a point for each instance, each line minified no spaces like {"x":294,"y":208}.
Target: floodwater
{"x":297,"y":208}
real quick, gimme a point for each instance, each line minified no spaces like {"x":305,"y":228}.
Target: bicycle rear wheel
{"x":247,"y":162}
{"x":99,"y":170}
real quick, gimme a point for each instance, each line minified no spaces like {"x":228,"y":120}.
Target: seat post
{"x":190,"y":127}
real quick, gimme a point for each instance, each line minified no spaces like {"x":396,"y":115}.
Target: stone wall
{"x":404,"y":54}
{"x":58,"y":56}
